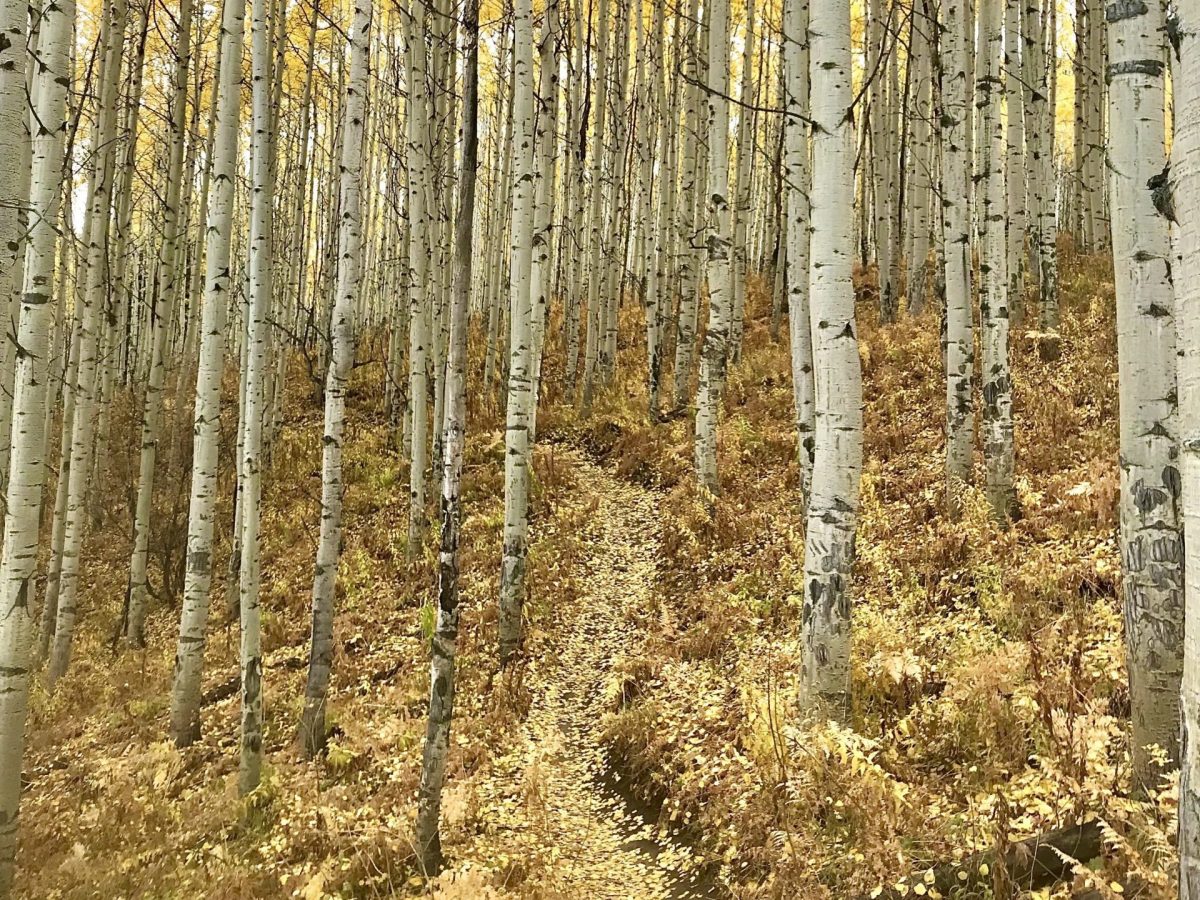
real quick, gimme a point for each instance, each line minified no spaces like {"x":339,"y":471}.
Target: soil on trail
{"x":554,"y":799}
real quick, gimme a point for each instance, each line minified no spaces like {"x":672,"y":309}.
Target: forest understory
{"x":648,"y":742}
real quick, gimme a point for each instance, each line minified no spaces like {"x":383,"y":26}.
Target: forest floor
{"x":554,"y":798}
{"x":648,"y":744}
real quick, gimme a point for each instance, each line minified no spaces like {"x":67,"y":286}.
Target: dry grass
{"x":988,"y":666}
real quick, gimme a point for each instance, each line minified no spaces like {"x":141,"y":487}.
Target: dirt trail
{"x":552,"y":798}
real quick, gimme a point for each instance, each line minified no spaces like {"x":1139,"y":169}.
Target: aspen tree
{"x":543,"y":201}
{"x":444,"y":644}
{"x":14,"y":192}
{"x":1015,"y":99}
{"x":197,"y":585}
{"x":686,"y":320}
{"x":90,"y":324}
{"x":837,"y":466}
{"x":417,"y":113}
{"x":341,"y":361}
{"x":744,"y":205}
{"x":23,"y":497}
{"x":959,"y":340}
{"x":160,"y":314}
{"x":1185,"y":181}
{"x":796,"y":185}
{"x":922,"y":152}
{"x":994,"y":304}
{"x":595,"y":318}
{"x":1151,"y":534}
{"x":258,"y":311}
{"x":717,"y":268}
{"x":516,"y":434}
{"x":578,"y":99}
{"x":649,"y":87}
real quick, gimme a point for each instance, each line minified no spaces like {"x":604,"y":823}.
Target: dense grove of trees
{"x":201,"y":201}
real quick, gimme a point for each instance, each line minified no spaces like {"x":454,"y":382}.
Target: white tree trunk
{"x":341,"y":361}
{"x":837,"y":469}
{"x":516,"y":434}
{"x":1185,"y":178}
{"x":959,"y":339}
{"x":91,"y":321}
{"x":258,"y":338}
{"x":24,"y":489}
{"x":796,"y":185}
{"x":197,"y":585}
{"x":419,"y":236}
{"x":444,"y":645}
{"x":718,"y":265}
{"x":161,"y":319}
{"x":543,"y":203}
{"x":993,"y":278}
{"x":1151,"y":534}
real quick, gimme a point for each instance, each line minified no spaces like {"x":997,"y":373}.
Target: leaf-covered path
{"x":550,"y":799}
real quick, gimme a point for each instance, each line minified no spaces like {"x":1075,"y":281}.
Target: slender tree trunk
{"x":958,"y":336}
{"x":796,"y":183}
{"x":27,"y":463}
{"x":1014,"y":92}
{"x":1151,"y":533}
{"x":419,"y":235}
{"x":161,"y":318}
{"x":341,"y":361}
{"x":543,"y":205}
{"x":197,"y":585}
{"x":1185,"y":179}
{"x":718,"y":268}
{"x":596,"y":267}
{"x":685,"y":343}
{"x":258,"y":339}
{"x":89,"y":328}
{"x":444,"y":645}
{"x":993,"y":280}
{"x":516,"y":436}
{"x":744,"y":205}
{"x":837,"y":467}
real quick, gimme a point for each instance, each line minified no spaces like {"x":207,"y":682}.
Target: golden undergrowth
{"x":988,"y":668}
{"x":988,"y":672}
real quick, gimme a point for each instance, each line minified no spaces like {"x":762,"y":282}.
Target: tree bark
{"x":837,"y":467}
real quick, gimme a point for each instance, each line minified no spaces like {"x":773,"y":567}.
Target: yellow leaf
{"x":315,"y":889}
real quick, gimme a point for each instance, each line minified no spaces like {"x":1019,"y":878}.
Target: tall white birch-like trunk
{"x":837,"y":468}
{"x":197,"y":584}
{"x":718,"y":265}
{"x":417,"y":115}
{"x":596,"y":301}
{"x":516,"y":433}
{"x":258,"y":341}
{"x":543,"y":203}
{"x":444,"y":645}
{"x":956,"y":163}
{"x":341,"y":361}
{"x":27,"y":462}
{"x":91,"y":318}
{"x":161,"y":314}
{"x":649,"y":87}
{"x":1014,"y":93}
{"x":1151,"y":533}
{"x":685,"y":341}
{"x":744,"y":206}
{"x":923,"y":154}
{"x":1185,"y":179}
{"x":14,"y":191}
{"x":993,"y":269}
{"x":796,"y":184}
